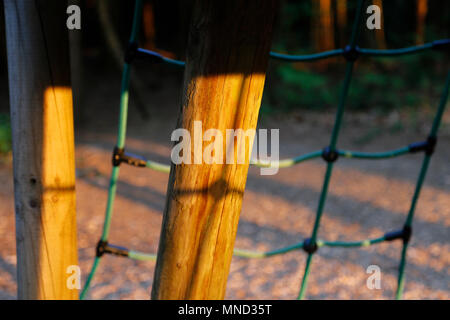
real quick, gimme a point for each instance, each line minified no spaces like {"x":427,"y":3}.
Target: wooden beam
{"x":43,"y":147}
{"x":227,"y":58}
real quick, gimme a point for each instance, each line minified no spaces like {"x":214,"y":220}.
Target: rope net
{"x":329,"y":154}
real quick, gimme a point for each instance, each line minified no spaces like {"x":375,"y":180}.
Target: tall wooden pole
{"x":43,"y":147}
{"x":422,"y":10}
{"x":227,"y":57}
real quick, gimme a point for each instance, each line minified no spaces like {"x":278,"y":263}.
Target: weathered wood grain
{"x":43,"y":147}
{"x":227,"y":58}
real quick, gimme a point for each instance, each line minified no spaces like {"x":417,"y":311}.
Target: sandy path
{"x":366,"y":199}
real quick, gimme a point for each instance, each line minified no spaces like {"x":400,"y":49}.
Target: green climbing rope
{"x":333,"y":141}
{"x":329,"y":154}
{"x":323,"y":55}
{"x":290,"y":162}
{"x":420,"y":180}
{"x":120,"y":143}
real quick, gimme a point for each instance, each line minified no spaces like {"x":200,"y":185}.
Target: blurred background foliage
{"x":383,"y":84}
{"x":304,"y":26}
{"x":5,"y":134}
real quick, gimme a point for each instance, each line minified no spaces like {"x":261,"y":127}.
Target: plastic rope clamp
{"x":309,"y":246}
{"x":404,"y":234}
{"x":100,"y":250}
{"x":119,"y":156}
{"x":427,"y":146}
{"x":103,"y":247}
{"x":351,"y":53}
{"x":329,"y":155}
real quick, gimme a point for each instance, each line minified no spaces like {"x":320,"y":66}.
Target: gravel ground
{"x":367,"y":198}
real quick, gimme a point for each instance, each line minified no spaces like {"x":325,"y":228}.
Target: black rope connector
{"x":131,"y":52}
{"x":103,"y":247}
{"x":351,"y":53}
{"x":427,"y":146}
{"x":309,"y":246}
{"x":329,"y":155}
{"x":443,"y":44}
{"x":100,"y":250}
{"x":119,"y":156}
{"x":404,"y":234}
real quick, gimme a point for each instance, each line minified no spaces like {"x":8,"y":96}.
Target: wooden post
{"x":227,"y":57}
{"x":422,"y":10}
{"x":43,"y":147}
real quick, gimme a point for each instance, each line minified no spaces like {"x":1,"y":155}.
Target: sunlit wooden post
{"x":227,"y":58}
{"x":43,"y":147}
